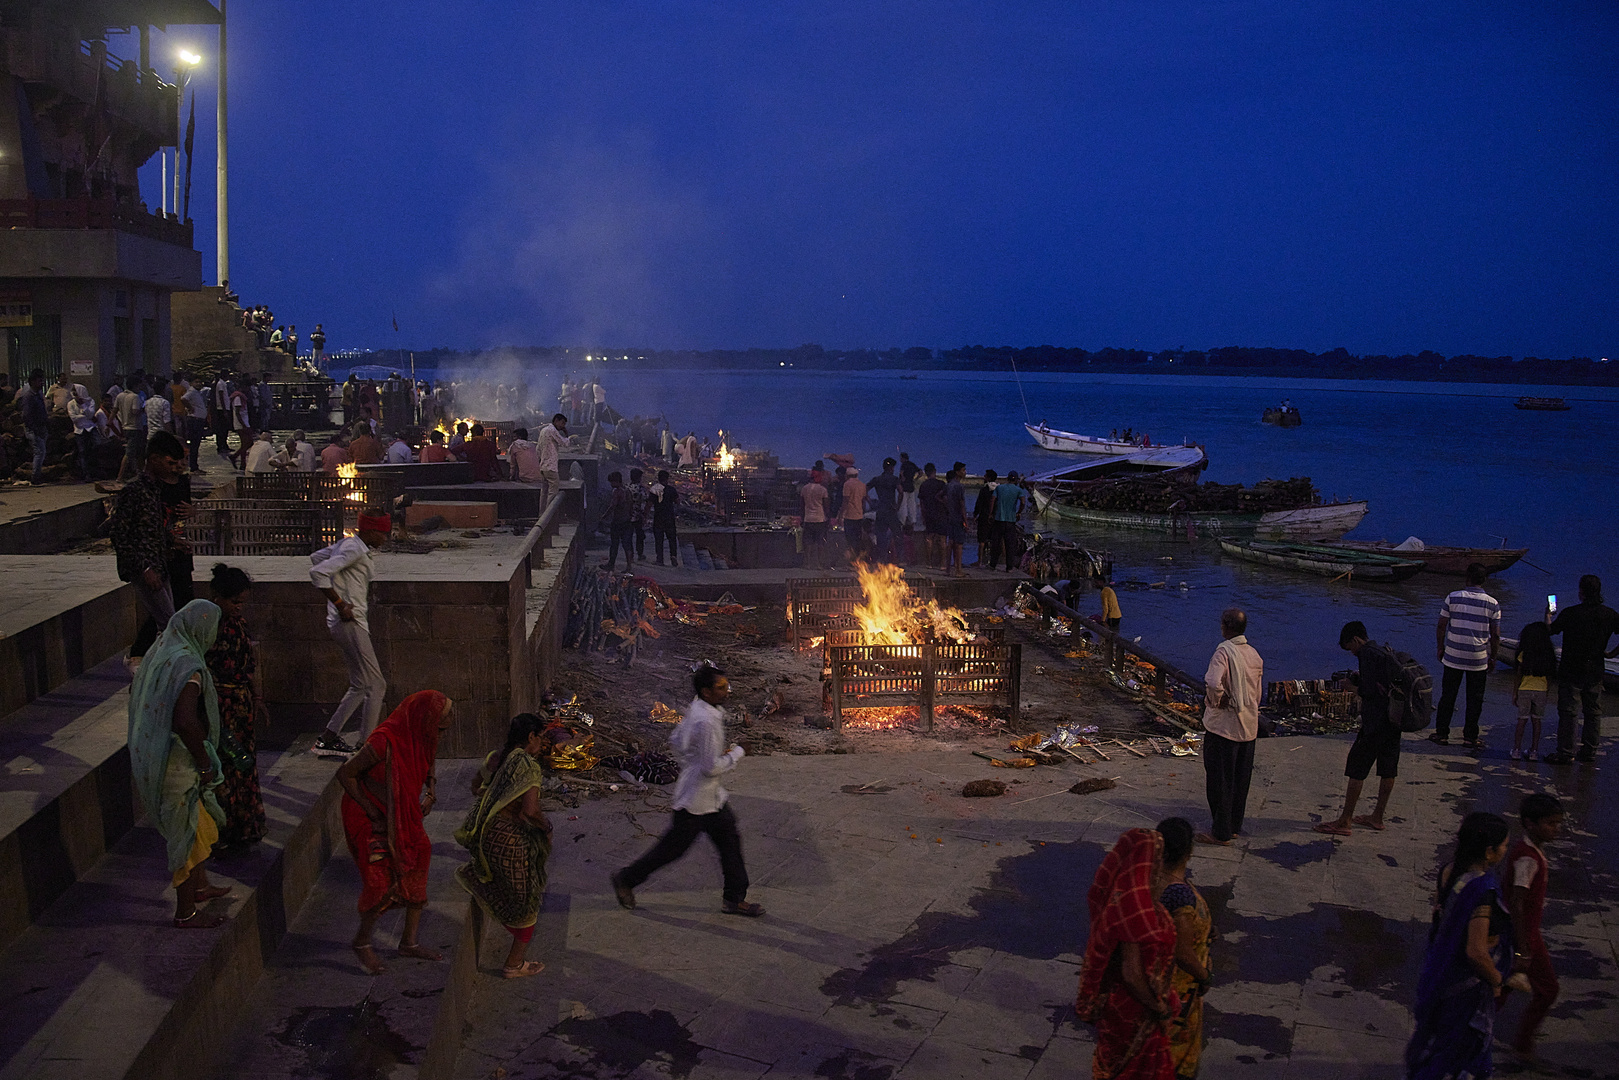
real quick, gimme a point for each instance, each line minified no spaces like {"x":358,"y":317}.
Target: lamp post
{"x":185,"y":62}
{"x":221,"y":217}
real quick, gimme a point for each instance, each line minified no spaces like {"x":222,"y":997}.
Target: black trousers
{"x":678,"y":839}
{"x":665,"y":530}
{"x":620,"y":537}
{"x":1228,"y":766}
{"x":638,"y":533}
{"x":1589,"y":695}
{"x":1450,"y":683}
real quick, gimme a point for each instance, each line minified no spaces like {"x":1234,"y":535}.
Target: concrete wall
{"x":98,"y":253}
{"x":41,"y":657}
{"x":468,"y":639}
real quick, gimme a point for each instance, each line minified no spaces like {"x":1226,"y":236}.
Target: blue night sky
{"x":1383,"y":177}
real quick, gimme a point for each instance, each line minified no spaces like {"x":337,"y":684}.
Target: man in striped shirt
{"x":1469,"y":631}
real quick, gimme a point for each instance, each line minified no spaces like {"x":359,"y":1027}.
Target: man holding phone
{"x":1586,"y":628}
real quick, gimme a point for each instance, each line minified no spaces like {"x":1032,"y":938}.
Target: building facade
{"x":86,"y":267}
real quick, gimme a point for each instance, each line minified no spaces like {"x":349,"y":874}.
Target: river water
{"x":1449,"y":463}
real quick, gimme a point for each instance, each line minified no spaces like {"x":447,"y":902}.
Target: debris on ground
{"x":1093,"y":785}
{"x":983,"y":789}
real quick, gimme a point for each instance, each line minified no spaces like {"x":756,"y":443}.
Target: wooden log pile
{"x":1156,"y":495}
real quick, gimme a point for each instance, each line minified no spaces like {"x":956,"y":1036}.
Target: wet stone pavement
{"x":920,"y":934}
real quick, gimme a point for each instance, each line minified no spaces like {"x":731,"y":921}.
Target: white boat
{"x":1158,"y":459}
{"x":1050,"y":438}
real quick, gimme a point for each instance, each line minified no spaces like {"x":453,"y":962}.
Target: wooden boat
{"x":1323,"y":521}
{"x":1451,"y":561}
{"x":1282,"y":417}
{"x":1506,"y":652}
{"x":1068,"y":442}
{"x":1163,"y":459}
{"x":1324,"y":560}
{"x":1542,"y":404}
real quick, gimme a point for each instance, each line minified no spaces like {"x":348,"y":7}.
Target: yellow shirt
{"x":1532,"y":682}
{"x":1110,"y":603}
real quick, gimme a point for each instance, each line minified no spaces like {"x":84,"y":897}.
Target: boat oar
{"x":1542,"y":569}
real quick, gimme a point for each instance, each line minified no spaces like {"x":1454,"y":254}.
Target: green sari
{"x":165,"y":776}
{"x":507,"y":873}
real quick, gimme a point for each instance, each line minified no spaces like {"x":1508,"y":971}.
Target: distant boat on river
{"x":1283,"y":416}
{"x":1327,"y":561}
{"x":1451,"y":561}
{"x":1542,"y":404}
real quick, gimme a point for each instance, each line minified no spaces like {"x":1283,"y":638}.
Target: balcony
{"x":92,"y":214}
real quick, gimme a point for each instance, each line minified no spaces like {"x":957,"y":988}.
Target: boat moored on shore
{"x":1323,"y":560}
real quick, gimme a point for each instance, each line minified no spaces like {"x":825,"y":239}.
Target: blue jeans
{"x":36,"y":443}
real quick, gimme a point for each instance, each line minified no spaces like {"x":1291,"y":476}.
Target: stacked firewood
{"x":1153,"y":495}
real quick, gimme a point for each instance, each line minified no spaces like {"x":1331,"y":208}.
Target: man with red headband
{"x":343,"y":574}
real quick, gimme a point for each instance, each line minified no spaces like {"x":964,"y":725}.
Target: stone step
{"x":103,"y":986}
{"x":65,"y":794}
{"x":316,"y":1013}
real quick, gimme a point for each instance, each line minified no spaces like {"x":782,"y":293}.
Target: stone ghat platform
{"x":979,"y":588}
{"x":99,"y":983}
{"x":60,"y":616}
{"x":34,"y":521}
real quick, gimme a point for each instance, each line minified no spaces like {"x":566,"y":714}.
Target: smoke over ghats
{"x":591,"y":242}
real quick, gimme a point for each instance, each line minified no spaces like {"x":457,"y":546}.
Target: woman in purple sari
{"x":1469,"y":953}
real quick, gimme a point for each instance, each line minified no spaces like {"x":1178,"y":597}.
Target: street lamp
{"x":185,"y":62}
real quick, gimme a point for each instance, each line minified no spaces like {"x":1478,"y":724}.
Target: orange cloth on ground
{"x":408,"y":743}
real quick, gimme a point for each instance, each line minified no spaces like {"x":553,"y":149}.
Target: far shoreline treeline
{"x":1232,"y":360}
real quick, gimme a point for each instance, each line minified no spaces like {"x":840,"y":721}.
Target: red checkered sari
{"x":1130,"y":1043}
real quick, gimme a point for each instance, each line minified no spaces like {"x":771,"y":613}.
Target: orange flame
{"x":891,"y":615}
{"x":348,"y":471}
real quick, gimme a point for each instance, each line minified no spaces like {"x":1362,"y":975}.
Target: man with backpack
{"x":1383,"y":685}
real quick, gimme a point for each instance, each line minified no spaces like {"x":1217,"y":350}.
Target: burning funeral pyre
{"x":893,"y":659}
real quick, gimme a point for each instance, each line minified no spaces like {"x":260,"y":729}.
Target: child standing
{"x":1542,"y":817}
{"x":1535,"y":661}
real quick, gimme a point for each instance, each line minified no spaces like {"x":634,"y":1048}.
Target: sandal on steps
{"x":523,"y":970}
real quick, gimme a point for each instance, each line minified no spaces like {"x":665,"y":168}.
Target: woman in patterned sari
{"x":235,"y":669}
{"x":1469,"y":953}
{"x":510,"y":839}
{"x":1124,"y":987}
{"x":1192,"y":932}
{"x":388,"y":789}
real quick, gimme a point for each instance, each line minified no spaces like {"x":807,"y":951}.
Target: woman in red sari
{"x":388,"y":788}
{"x":1124,"y":987}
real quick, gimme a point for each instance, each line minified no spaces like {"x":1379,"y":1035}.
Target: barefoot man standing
{"x":1231,"y":724}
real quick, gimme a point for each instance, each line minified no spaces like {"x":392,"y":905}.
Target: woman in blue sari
{"x":1469,"y":953}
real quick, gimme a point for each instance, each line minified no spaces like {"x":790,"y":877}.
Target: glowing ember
{"x":900,"y":717}
{"x":348,"y":471}
{"x":449,"y":426}
{"x":891,"y":614}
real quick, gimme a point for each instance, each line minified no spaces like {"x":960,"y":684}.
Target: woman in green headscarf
{"x":173,"y":733}
{"x":510,"y":838}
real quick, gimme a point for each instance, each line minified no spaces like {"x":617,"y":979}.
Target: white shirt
{"x":306,"y":457}
{"x":699,"y":744}
{"x":398,"y":453}
{"x":1238,"y":672}
{"x":197,"y":402}
{"x":347,"y":567}
{"x":83,"y":415}
{"x":1527,"y":867}
{"x":552,"y":442}
{"x":259,"y":455}
{"x":222,"y":395}
{"x":157,"y":413}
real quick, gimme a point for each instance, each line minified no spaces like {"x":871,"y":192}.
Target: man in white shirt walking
{"x":699,"y":802}
{"x":1231,"y":725}
{"x":343,"y":574}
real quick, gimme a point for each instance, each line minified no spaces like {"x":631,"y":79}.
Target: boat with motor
{"x":1068,"y":442}
{"x":1323,"y":559}
{"x":1450,"y":561}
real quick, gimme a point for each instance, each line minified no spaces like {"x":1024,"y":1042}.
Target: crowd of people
{"x":908,"y":514}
